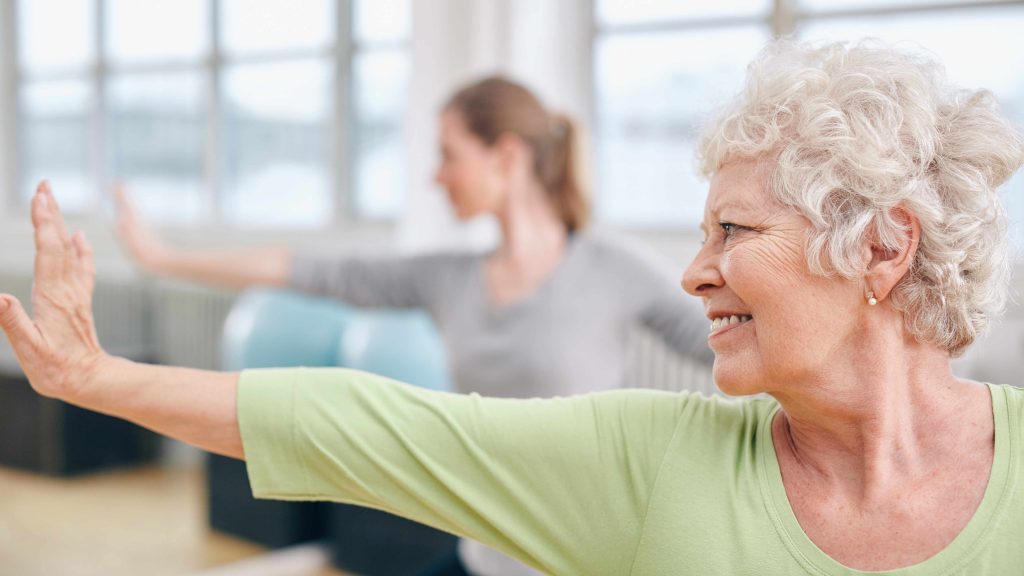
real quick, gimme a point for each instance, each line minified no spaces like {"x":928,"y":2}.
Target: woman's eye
{"x":728,"y":228}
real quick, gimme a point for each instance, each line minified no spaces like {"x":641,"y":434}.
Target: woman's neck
{"x":867,"y":427}
{"x":532,"y":231}
{"x":533,"y":244}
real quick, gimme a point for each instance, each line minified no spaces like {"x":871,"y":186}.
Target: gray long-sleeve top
{"x":567,"y":337}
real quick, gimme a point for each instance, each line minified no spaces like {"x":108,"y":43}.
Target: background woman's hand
{"x":233,"y":269}
{"x":144,"y":247}
{"x":58,"y":349}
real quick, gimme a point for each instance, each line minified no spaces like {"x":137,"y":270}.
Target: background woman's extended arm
{"x":234,"y":269}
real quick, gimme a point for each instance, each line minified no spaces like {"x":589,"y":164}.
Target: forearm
{"x":236,"y":269}
{"x":195,"y":406}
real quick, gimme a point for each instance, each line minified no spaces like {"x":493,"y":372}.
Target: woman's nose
{"x":703,"y":273}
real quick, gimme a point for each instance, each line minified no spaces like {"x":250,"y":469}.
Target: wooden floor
{"x":149,"y":521}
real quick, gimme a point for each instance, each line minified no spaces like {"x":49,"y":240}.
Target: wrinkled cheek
{"x":752,"y":279}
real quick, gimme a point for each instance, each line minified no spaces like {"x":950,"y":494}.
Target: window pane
{"x":381,"y":20}
{"x":274,"y":144}
{"x":157,"y":31}
{"x":249,"y":26}
{"x":56,"y":34}
{"x":653,"y":93}
{"x":615,"y":12}
{"x":966,"y":42}
{"x":55,"y":141}
{"x":155,"y":142}
{"x":378,"y":142}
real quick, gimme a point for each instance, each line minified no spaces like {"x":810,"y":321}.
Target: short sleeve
{"x":560,"y":484}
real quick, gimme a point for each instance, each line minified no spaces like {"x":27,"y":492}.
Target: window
{"x":661,"y":67}
{"x":263,"y":113}
{"x":380,"y":69}
{"x":981,"y":48}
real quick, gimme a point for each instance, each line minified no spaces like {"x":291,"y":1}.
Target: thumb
{"x":17,"y":325}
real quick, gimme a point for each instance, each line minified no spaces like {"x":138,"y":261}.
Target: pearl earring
{"x":871,"y":298}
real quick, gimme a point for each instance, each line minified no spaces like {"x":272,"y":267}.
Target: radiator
{"x":187,"y":323}
{"x":650,"y":363}
{"x":120,"y":307}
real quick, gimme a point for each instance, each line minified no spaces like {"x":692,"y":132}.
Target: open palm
{"x":57,"y":348}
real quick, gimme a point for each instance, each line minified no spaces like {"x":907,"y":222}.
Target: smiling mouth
{"x":723,"y":321}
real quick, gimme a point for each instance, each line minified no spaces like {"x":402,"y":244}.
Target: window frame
{"x":783,"y":17}
{"x":340,"y":55}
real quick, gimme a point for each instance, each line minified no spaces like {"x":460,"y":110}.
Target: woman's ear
{"x":888,"y":264}
{"x":513,"y":153}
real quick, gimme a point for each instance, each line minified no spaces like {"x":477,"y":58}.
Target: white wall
{"x":549,"y":48}
{"x":447,"y":51}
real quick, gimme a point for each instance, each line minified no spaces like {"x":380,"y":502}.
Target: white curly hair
{"x":852,"y":131}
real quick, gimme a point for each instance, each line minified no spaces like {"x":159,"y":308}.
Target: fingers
{"x":17,"y":325}
{"x":57,"y":253}
{"x":46,"y":216}
{"x":121,"y":199}
{"x":49,"y":213}
{"x":51,"y":245}
{"x":127,"y":216}
{"x":84,"y":260}
{"x":121,"y":195}
{"x":125,"y":206}
{"x":83,"y":251}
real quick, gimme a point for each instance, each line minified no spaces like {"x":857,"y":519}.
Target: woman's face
{"x":792,"y":325}
{"x":470,"y":171}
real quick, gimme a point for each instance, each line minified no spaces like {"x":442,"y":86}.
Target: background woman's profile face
{"x":470,"y":170}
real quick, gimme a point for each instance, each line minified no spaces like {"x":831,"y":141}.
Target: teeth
{"x":724,"y":321}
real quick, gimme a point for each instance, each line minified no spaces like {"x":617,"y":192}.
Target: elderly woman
{"x":854,"y":244}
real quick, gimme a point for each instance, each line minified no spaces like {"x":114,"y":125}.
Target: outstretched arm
{"x":232,"y":269}
{"x":527,"y":477}
{"x":60,"y":354}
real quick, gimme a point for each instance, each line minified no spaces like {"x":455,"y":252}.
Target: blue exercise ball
{"x":398,"y":344}
{"x":270,"y":328}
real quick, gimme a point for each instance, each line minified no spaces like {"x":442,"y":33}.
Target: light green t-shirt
{"x":628,"y":482}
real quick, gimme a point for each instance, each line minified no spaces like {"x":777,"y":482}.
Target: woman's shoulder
{"x":1012,"y":393}
{"x":454,"y":257}
{"x":611,"y":244}
{"x":1014,"y":397}
{"x":724,"y":416}
{"x":441,"y":263}
{"x":436,"y":258}
{"x":715,"y":414}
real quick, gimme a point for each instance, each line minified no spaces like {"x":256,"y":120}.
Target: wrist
{"x":158,"y":260}
{"x":95,"y":374}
